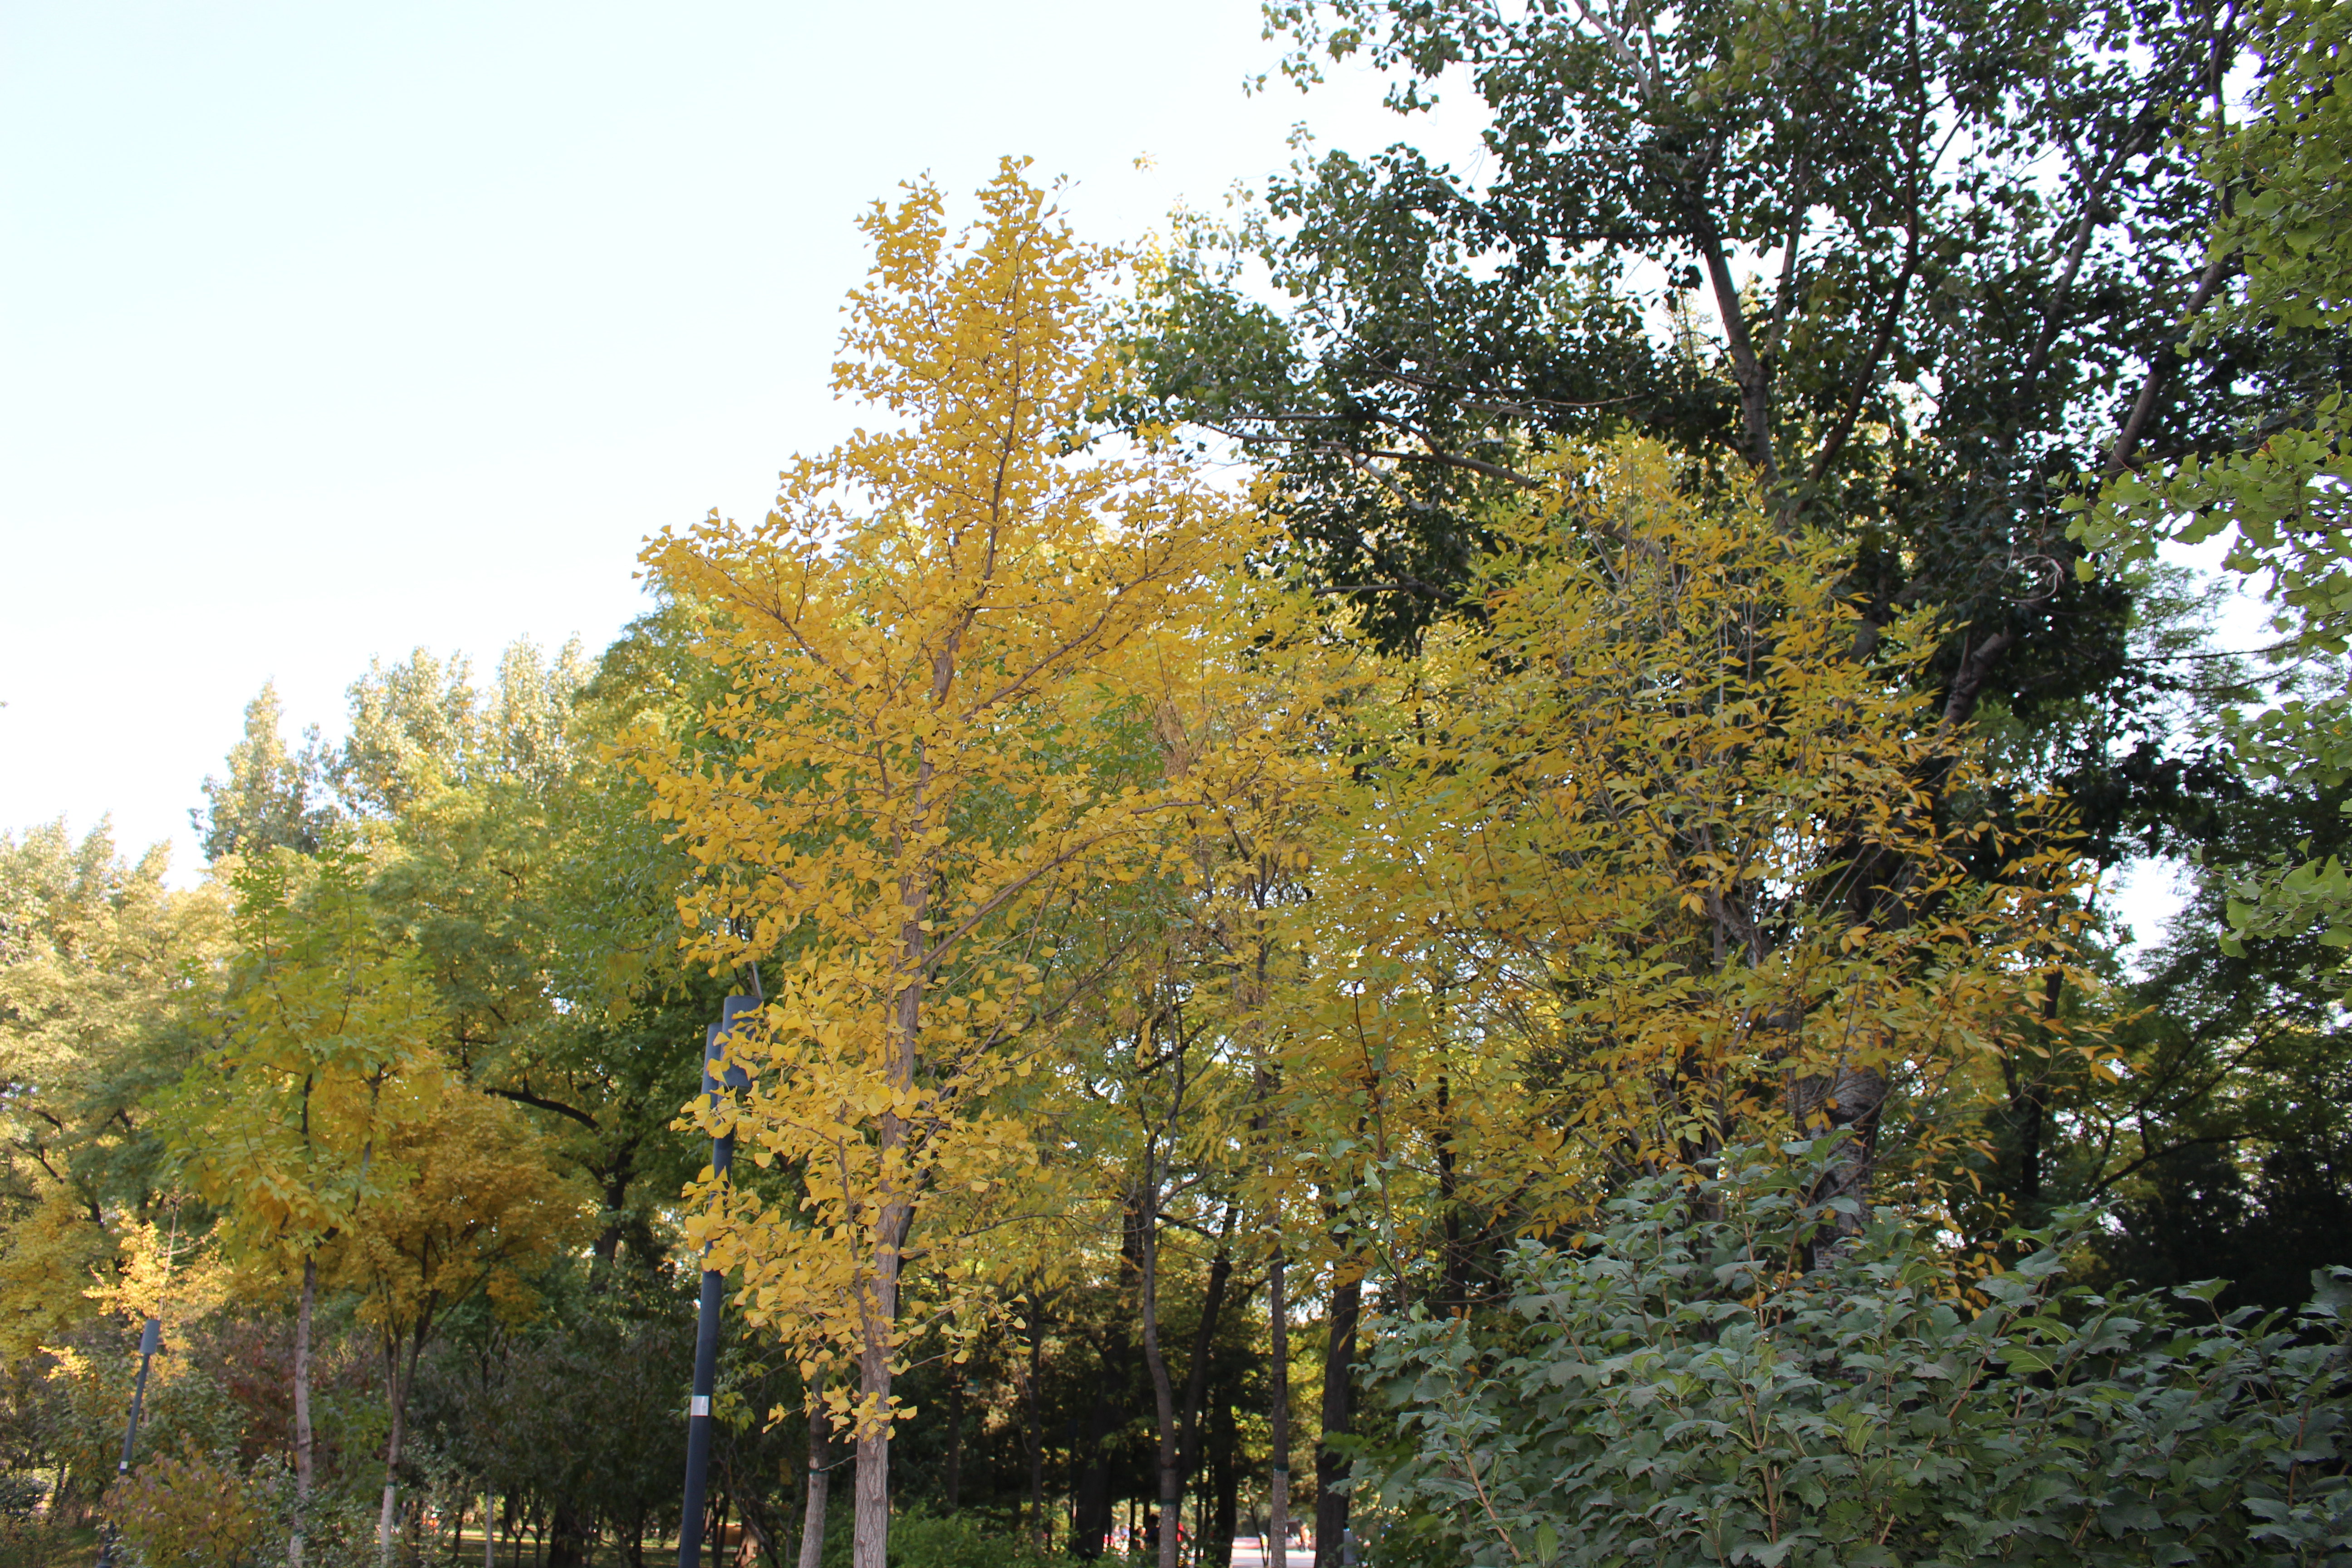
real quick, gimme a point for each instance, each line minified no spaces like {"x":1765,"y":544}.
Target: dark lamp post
{"x":150,"y":1343}
{"x":706,"y":1335}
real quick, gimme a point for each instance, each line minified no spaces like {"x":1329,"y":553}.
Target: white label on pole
{"x":699,"y":1405}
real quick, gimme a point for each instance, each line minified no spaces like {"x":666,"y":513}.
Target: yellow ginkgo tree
{"x":941,"y":646}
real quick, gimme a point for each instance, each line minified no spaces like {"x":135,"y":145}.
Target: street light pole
{"x":150,"y":1339}
{"x":706,"y":1334}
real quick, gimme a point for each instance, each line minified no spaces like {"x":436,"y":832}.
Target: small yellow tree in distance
{"x":942,"y":646}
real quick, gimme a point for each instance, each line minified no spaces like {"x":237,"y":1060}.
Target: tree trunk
{"x":1339,"y":1420}
{"x":1277,"y":1412}
{"x":1094,"y":1514}
{"x":397,"y":1381}
{"x":304,"y":1442}
{"x":1196,"y":1375}
{"x":1033,"y":1421}
{"x":489,"y":1530}
{"x":955,"y":1432}
{"x":1225,"y":1468}
{"x":1163,"y":1389}
{"x":877,"y":1307}
{"x":1453,"y":1275}
{"x":878,"y":1314}
{"x":812,"y":1521}
{"x":567,"y":1536}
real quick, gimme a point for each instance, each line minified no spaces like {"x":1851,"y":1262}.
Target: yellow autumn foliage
{"x":1662,"y":846}
{"x":940,"y":647}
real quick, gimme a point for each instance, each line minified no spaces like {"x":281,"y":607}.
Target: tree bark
{"x":567,"y":1536}
{"x":812,"y":1521}
{"x":1277,"y":1412}
{"x":1196,"y":1373}
{"x":1163,"y":1388}
{"x":1749,"y":373}
{"x":1224,"y":1471}
{"x":397,"y":1380}
{"x":1339,"y":1421}
{"x":304,"y":1441}
{"x":877,"y":1307}
{"x":1033,"y":1423}
{"x":1093,"y":1514}
{"x":955,"y":1432}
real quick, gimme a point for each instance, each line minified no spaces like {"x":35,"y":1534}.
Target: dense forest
{"x":1429,"y":871}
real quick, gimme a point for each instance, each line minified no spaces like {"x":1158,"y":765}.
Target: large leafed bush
{"x":1677,"y":1390}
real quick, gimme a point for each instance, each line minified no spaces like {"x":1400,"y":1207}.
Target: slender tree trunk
{"x":1163,"y":1388}
{"x":812,"y":1521}
{"x":955,"y":1432}
{"x":879,"y":1314}
{"x":490,"y":1531}
{"x":1278,"y":1411}
{"x":1033,"y":1420}
{"x":303,"y":1440}
{"x":879,"y":1304}
{"x":397,"y":1380}
{"x":1339,"y":1420}
{"x":1454,"y":1288}
{"x":1196,"y":1375}
{"x":1096,"y":1511}
{"x":391,"y":1486}
{"x":1224,"y":1470}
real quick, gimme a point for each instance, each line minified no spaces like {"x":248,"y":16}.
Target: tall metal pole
{"x":706,"y":1333}
{"x":150,"y":1339}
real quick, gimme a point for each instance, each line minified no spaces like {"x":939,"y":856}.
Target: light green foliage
{"x":538,"y":900}
{"x":104,"y":976}
{"x":2281,"y":498}
{"x":272,"y":798}
{"x":327,"y":1050}
{"x":1672,"y":1392}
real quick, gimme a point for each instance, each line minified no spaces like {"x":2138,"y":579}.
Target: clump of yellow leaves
{"x":933,"y":642}
{"x":1652,"y":855}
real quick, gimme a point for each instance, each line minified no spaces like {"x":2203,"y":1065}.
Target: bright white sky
{"x":330,"y":330}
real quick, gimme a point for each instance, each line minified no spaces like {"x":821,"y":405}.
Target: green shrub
{"x":1674,"y":1393}
{"x":920,"y":1539}
{"x":44,"y":1540}
{"x":193,"y":1509}
{"x":21,"y":1493}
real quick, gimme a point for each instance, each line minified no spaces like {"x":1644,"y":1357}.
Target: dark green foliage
{"x":1910,"y":263}
{"x":924,"y":1540}
{"x":1674,"y":1391}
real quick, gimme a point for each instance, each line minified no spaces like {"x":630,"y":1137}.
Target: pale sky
{"x":330,"y":331}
